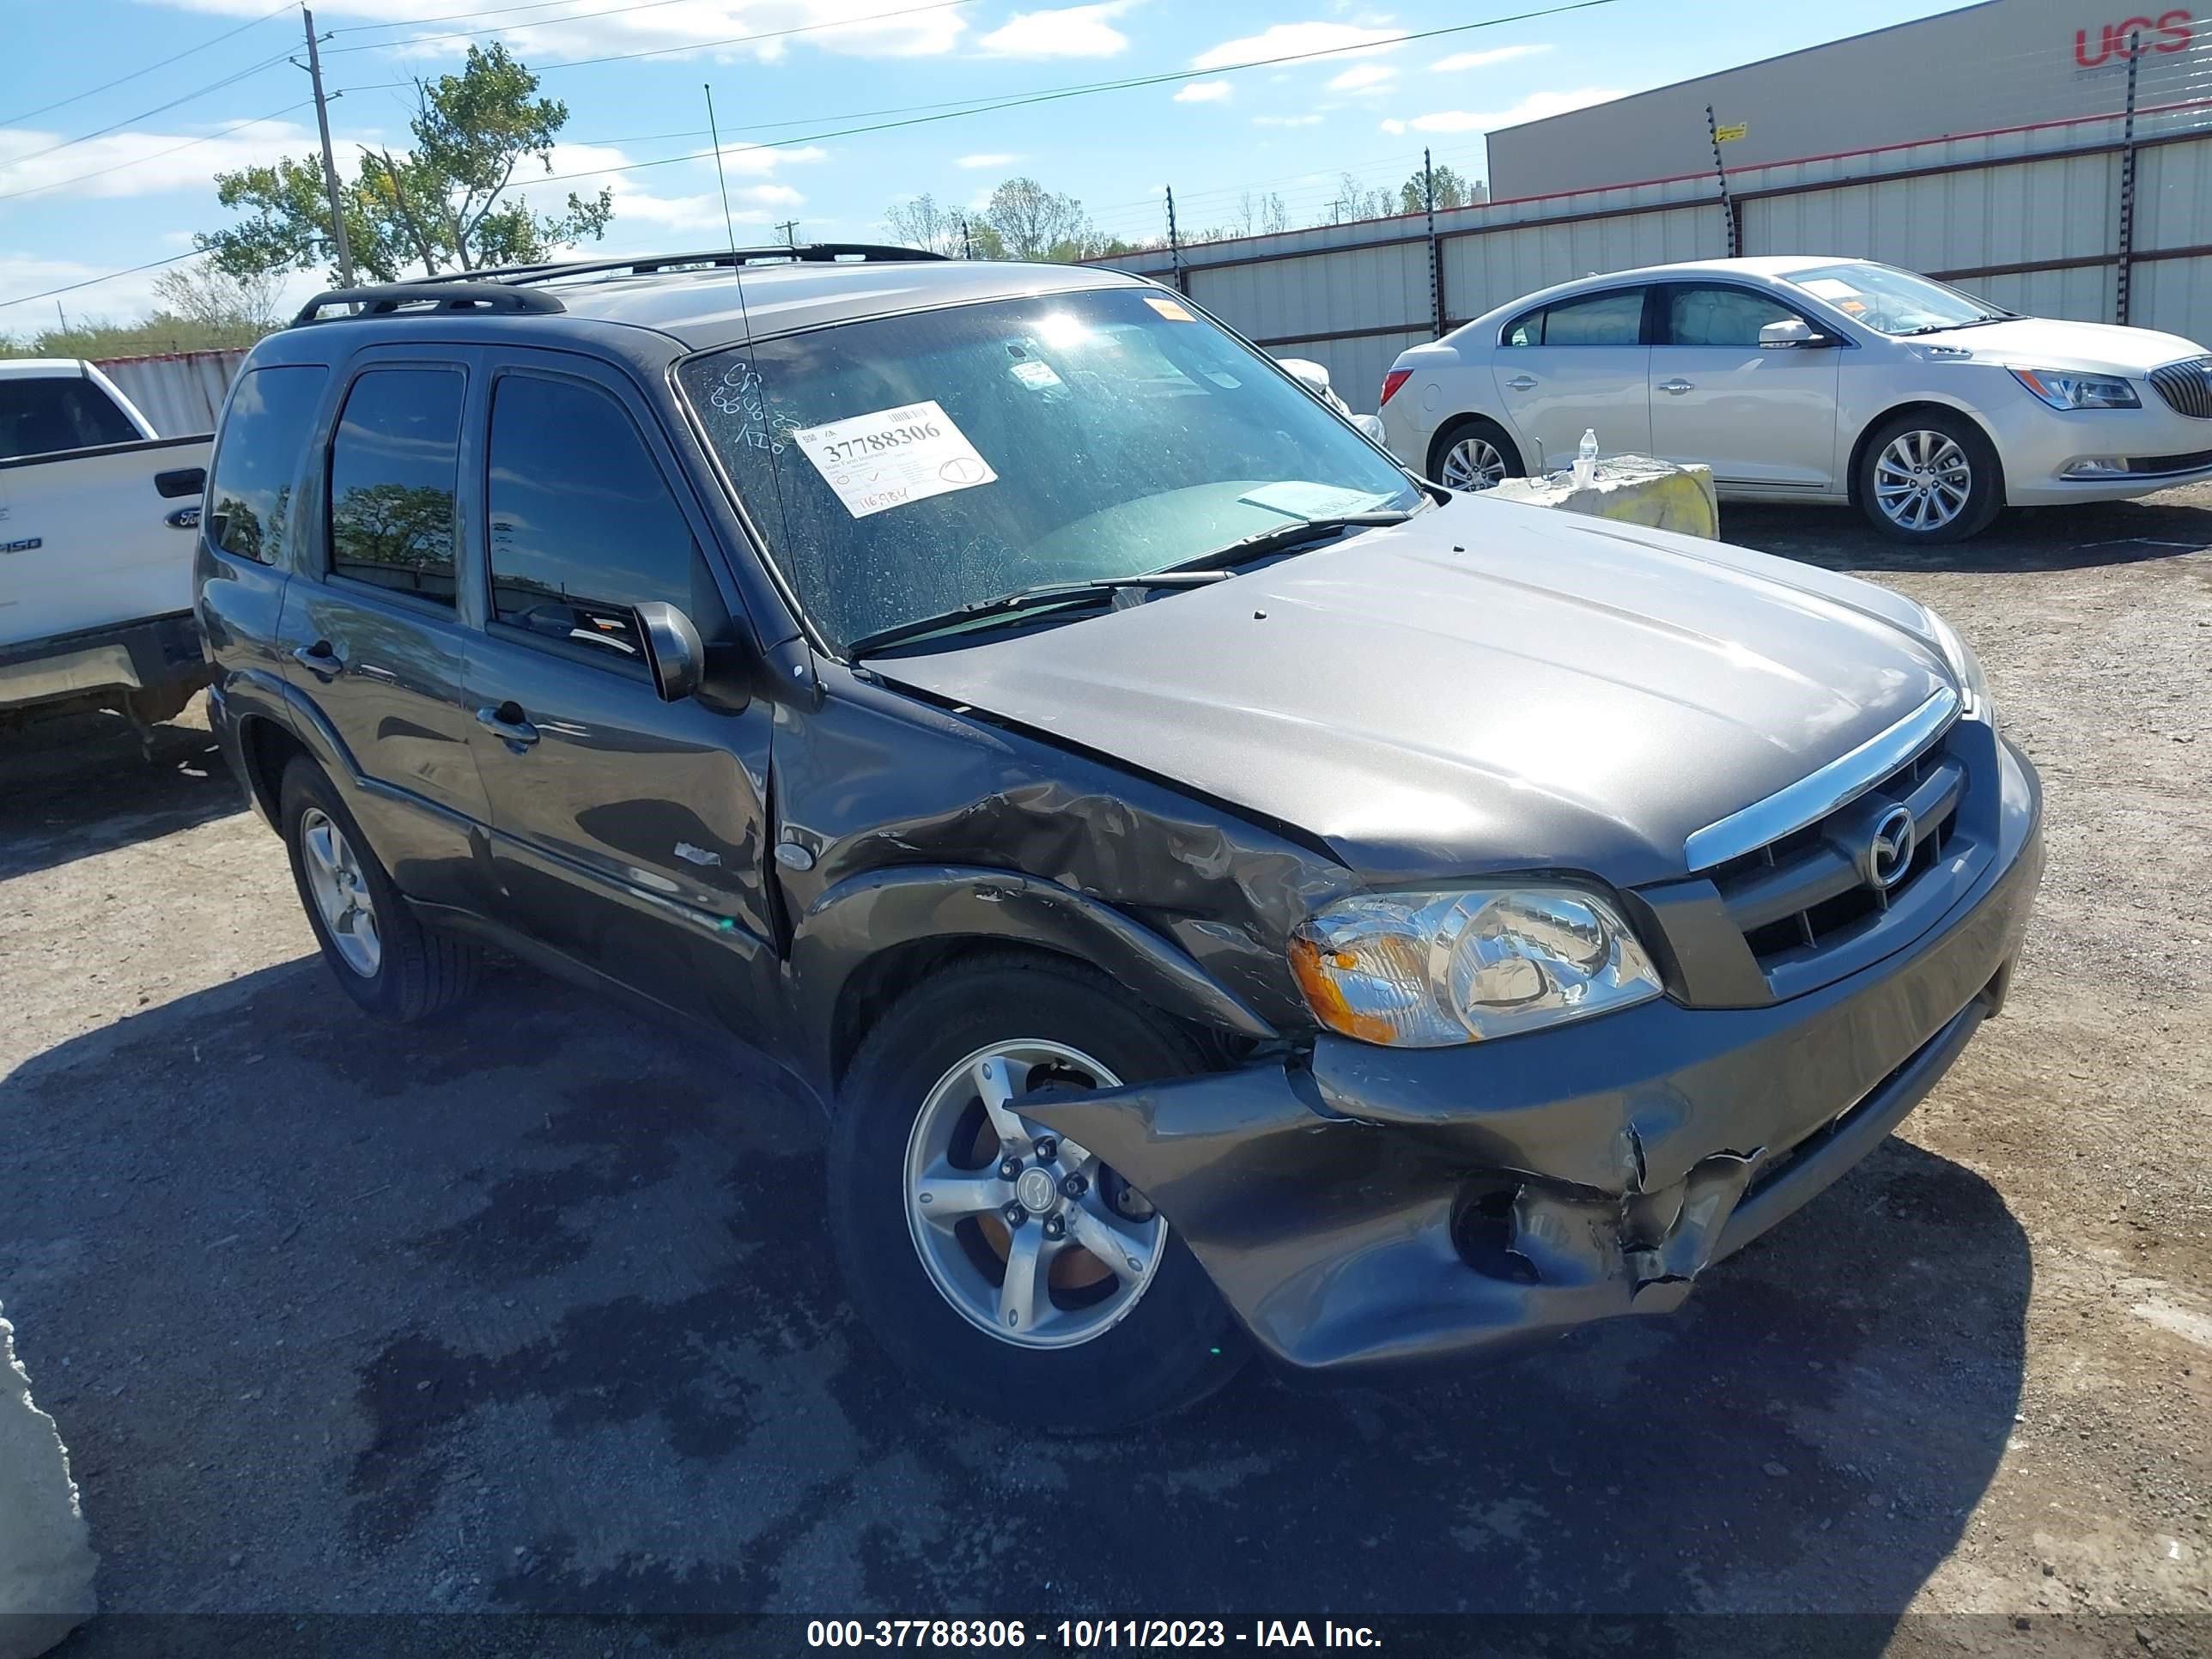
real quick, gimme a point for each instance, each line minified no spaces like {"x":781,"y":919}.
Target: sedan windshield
{"x":1893,"y":301}
{"x":903,"y":467}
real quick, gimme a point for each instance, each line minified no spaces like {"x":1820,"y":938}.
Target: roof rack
{"x":449,"y":298}
{"x":647,"y":264}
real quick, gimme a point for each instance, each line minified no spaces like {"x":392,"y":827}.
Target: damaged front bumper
{"x":1368,"y":1206}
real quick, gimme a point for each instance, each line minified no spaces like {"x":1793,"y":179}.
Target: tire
{"x":1171,"y":1344}
{"x":414,"y":971}
{"x":1927,"y":454}
{"x":1485,"y":441}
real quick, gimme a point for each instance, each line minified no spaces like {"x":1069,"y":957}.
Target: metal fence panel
{"x":2081,"y":293}
{"x":1357,"y":288}
{"x":2174,"y":295}
{"x":1483,"y":272}
{"x":2174,"y":195}
{"x":181,"y":392}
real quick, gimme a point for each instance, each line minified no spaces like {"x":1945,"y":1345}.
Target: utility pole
{"x":1436,"y":257}
{"x":1720,"y":171}
{"x":2125,"y":276}
{"x":790,"y":228}
{"x":330,"y":167}
{"x":1175,"y":244}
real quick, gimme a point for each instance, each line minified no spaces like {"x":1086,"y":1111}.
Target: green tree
{"x":1453,"y":189}
{"x":1036,"y":223}
{"x":446,"y":204}
{"x":924,"y":221}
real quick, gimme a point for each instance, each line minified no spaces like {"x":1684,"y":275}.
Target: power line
{"x":215,"y":40}
{"x":140,"y":161}
{"x":90,"y":282}
{"x":1054,"y":95}
{"x":113,"y":126}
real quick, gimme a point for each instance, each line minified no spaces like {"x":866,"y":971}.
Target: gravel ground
{"x":534,"y":1309}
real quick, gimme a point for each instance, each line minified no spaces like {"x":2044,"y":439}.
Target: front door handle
{"x":1521,"y":383}
{"x":512,"y":725}
{"x":1678,"y":387}
{"x":320,"y":661}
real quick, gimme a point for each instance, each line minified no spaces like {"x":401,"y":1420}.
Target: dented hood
{"x":1486,"y":687}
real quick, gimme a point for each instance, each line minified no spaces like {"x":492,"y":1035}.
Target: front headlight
{"x":1425,"y":970}
{"x":1966,"y":667}
{"x":2063,"y":389}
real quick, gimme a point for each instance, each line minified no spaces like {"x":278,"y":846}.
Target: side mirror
{"x":1791,"y":332}
{"x":672,"y":649}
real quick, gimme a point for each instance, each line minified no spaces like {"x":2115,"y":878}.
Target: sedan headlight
{"x":2063,"y":389}
{"x":1425,"y":970}
{"x":1966,"y":667}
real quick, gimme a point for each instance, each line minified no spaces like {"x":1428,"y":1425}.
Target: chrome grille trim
{"x":1812,"y":797}
{"x":2186,"y":387}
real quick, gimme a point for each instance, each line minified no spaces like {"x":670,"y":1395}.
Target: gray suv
{"x":1228,"y":894}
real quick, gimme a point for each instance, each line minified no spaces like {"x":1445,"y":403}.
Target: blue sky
{"x":1290,"y":128}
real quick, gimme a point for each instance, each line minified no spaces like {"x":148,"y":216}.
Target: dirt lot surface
{"x":535,"y":1308}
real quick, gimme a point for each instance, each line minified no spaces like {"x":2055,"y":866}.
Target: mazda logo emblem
{"x":1889,"y":854}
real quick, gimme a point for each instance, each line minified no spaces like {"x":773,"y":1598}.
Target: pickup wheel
{"x":382,"y":956}
{"x":1002,"y":1264}
{"x":1475,"y":453}
{"x":1930,"y":477}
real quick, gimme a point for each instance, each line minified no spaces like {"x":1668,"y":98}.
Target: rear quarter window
{"x":263,"y":431}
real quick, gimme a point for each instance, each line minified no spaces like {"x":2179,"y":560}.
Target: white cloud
{"x":848,"y":27}
{"x":141,"y":163}
{"x":1535,"y":107}
{"x":1287,"y":120}
{"x":1363,"y":77}
{"x":1205,"y":92}
{"x":1284,"y":40}
{"x":1070,"y":32}
{"x":997,"y":158}
{"x":1460,"y":61}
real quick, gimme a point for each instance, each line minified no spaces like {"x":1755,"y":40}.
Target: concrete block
{"x":1629,"y":490}
{"x":46,"y":1561}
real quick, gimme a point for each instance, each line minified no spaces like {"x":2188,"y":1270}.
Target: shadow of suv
{"x":1230,"y":894}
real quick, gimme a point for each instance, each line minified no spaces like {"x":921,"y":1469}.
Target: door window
{"x":1721,"y":316}
{"x":583,"y":526}
{"x":1597,"y":320}
{"x":393,"y":463}
{"x":45,"y":414}
{"x":263,"y":431}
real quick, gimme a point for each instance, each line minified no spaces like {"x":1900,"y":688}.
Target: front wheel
{"x":1005,"y":1264}
{"x":1930,"y":477}
{"x":1475,"y":453}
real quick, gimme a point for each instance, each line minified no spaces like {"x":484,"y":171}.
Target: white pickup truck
{"x":96,"y":516}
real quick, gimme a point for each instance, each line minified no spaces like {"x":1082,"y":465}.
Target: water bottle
{"x":1586,"y":459}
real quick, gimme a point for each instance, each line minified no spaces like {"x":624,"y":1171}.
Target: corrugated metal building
{"x":180,"y":391}
{"x":2001,"y":63}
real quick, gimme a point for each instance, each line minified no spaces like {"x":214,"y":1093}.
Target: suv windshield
{"x":1893,"y":301}
{"x":902,"y":467}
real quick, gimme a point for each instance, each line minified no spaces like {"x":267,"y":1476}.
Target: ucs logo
{"x":2168,"y":31}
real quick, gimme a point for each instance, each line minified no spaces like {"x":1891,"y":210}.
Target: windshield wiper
{"x":1026,"y":598}
{"x":1972,"y":322}
{"x":1284,"y":535}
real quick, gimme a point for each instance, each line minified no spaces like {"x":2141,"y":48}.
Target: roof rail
{"x":647,"y":264}
{"x":447,"y":298}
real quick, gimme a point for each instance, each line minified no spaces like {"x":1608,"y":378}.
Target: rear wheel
{"x":1003,"y":1263}
{"x":1475,"y":453}
{"x":380,"y":954}
{"x":1929,"y":476}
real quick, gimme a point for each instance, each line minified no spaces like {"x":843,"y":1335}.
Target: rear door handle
{"x":320,"y":661}
{"x":1678,"y":387}
{"x":510,"y":723}
{"x":1521,"y":383}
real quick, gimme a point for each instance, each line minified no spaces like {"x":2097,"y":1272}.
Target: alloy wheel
{"x":341,"y":892}
{"x":1473,"y":463}
{"x":1026,"y":1234}
{"x":1922,"y":481}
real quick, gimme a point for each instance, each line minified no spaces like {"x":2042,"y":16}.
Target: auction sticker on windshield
{"x":894,"y":456}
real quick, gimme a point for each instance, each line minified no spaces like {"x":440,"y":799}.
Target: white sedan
{"x":1813,"y":380}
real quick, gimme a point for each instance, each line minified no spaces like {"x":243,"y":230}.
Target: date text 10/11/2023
{"x":1085,"y":1634}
